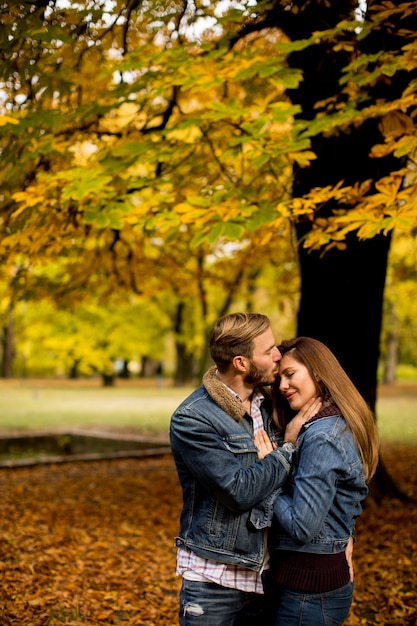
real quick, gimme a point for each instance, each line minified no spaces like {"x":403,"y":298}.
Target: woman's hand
{"x":308,"y":411}
{"x":263,"y":443}
{"x":349,"y":558}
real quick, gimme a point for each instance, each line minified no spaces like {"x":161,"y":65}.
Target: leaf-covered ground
{"x":91,"y":544}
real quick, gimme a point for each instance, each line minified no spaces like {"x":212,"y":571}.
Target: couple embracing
{"x":274,"y":452}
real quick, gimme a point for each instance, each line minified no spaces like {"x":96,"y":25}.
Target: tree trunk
{"x":146,"y":364}
{"x":8,"y":345}
{"x":124,"y":372}
{"x":391,"y":348}
{"x":341,"y":305}
{"x":390,"y":365}
{"x":184,"y":373}
{"x":73,"y":373}
{"x":342,"y":290}
{"x":108,"y":380}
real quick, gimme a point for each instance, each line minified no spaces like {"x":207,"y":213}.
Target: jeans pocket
{"x":319,"y":609}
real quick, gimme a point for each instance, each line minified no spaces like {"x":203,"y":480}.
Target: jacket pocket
{"x":240,"y":444}
{"x":223,"y":525}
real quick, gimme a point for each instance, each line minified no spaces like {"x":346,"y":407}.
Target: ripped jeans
{"x":208,"y":604}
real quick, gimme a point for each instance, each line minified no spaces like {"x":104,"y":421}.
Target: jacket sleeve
{"x":301,"y":514}
{"x":221,"y":464}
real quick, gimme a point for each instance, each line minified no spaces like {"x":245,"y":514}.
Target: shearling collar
{"x":221,"y":396}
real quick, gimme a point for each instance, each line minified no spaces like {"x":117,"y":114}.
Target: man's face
{"x":263,"y":366}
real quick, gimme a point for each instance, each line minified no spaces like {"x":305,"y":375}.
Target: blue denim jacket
{"x":317,"y":512}
{"x":222,"y":478}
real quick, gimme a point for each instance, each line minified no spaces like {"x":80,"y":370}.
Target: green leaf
{"x":199,"y":201}
{"x":102,"y":220}
{"x":215,"y":232}
{"x":261,"y":160}
{"x":82,"y":183}
{"x":198,"y":239}
{"x":233,"y":231}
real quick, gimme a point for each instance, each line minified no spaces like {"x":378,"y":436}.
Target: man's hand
{"x":310,"y":409}
{"x":263,"y":443}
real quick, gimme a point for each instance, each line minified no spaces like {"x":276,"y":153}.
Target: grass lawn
{"x":142,"y":407}
{"x":397,"y":419}
{"x":56,"y":405}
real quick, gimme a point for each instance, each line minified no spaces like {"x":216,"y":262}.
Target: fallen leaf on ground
{"x":92,"y":544}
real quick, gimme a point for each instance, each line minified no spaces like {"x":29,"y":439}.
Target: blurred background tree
{"x":179,"y":159}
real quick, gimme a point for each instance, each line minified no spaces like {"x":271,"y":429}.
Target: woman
{"x":335,"y":457}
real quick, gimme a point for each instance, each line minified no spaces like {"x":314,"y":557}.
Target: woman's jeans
{"x":314,"y":609}
{"x":208,"y":604}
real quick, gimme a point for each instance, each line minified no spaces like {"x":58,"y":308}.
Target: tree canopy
{"x":124,"y":121}
{"x":151,"y":147}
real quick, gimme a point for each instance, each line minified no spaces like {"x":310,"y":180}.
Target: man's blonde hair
{"x":233,"y":335}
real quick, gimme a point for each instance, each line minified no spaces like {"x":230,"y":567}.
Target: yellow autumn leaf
{"x":187,"y":135}
{"x":194,"y":215}
{"x":140,"y":170}
{"x":183,"y":207}
{"x":266,"y":238}
{"x":389,"y":186}
{"x":8,"y":119}
{"x":297,"y":205}
{"x":380,"y":150}
{"x":283,"y":210}
{"x":302,"y":158}
{"x":27,"y":199}
{"x":396,"y":123}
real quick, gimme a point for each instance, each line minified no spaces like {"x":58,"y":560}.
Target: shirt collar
{"x":256,"y":396}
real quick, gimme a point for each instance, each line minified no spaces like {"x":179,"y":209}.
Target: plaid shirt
{"x":193,"y":567}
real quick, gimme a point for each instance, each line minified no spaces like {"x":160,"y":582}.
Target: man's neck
{"x":242,"y":389}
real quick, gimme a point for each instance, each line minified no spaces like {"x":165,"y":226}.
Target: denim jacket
{"x":221,"y":477}
{"x":317,"y":512}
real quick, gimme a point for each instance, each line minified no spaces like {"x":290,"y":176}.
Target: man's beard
{"x":257,"y":377}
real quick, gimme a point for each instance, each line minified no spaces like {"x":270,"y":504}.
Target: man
{"x":227,"y":491}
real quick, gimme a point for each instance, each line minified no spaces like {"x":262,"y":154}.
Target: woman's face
{"x":296,"y":384}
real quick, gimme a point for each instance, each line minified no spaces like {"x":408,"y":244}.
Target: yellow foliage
{"x":283,"y":210}
{"x":392,"y":207}
{"x":192,"y":134}
{"x":280,"y":129}
{"x":8,"y":119}
{"x":83,"y":151}
{"x":388,"y":187}
{"x":140,"y":169}
{"x":396,"y":123}
{"x":266,"y":238}
{"x":192,"y":119}
{"x":302,"y":158}
{"x":126,"y":115}
{"x":26,"y":199}
{"x":381,"y":150}
{"x":302,"y":206}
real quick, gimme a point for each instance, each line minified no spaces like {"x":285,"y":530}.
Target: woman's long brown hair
{"x":332,"y":383}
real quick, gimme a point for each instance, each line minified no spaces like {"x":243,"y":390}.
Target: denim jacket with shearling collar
{"x":221,"y":477}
